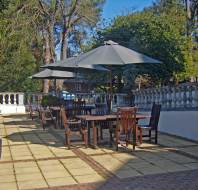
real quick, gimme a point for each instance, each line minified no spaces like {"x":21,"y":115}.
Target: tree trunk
{"x":63,"y":53}
{"x":64,"y":36}
{"x":47,"y":59}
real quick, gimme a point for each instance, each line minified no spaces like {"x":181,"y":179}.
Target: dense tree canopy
{"x":30,"y":31}
{"x":36,"y":32}
{"x":159,"y":32}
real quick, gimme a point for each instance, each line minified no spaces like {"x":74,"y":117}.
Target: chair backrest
{"x":45,"y":114}
{"x":79,"y":107}
{"x":64,"y":117}
{"x":101,"y":109}
{"x":155,"y":115}
{"x":126,"y":118}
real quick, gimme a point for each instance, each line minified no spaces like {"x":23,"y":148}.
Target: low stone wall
{"x":180,"y":123}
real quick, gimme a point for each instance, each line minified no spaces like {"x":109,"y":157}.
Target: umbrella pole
{"x":55,"y":86}
{"x":110,"y":90}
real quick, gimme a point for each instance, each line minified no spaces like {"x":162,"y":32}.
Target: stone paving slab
{"x":33,"y":158}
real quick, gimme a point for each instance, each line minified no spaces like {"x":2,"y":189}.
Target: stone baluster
{"x":33,"y":99}
{"x":177,"y":97}
{"x":163,"y":97}
{"x":160,"y":96}
{"x":146,"y":106}
{"x":139,"y":99}
{"x":195,"y":96}
{"x":142,"y":99}
{"x":187,"y":90}
{"x":169,"y":97}
{"x":183,"y":96}
{"x":145,"y":100}
{"x":149,"y":98}
{"x":135,"y":96}
{"x":151,"y":95}
{"x":157,"y":96}
{"x":9,"y":99}
{"x":190,"y":96}
{"x":173,"y":98}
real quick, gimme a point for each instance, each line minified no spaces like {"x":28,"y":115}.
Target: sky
{"x":114,"y":8}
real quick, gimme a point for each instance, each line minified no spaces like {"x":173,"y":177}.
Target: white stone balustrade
{"x":184,"y":96}
{"x":11,"y":102}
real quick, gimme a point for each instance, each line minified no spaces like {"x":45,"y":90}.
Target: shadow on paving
{"x":144,"y":169}
{"x":24,"y":122}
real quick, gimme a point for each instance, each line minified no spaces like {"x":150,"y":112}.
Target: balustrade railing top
{"x":181,"y":97}
{"x":11,"y":98}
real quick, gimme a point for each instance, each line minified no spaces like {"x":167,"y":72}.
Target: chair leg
{"x":140,"y":135}
{"x":156,"y":136}
{"x":136,"y":135}
{"x":86,"y":138}
{"x":111,"y":136}
{"x":43,"y":125}
{"x":117,"y":139}
{"x":67,"y":141}
{"x":101,"y":133}
{"x":150,"y":135}
{"x":97,"y":132}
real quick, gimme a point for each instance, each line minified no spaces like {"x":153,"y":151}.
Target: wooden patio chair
{"x":102,"y":109}
{"x":126,"y":126}
{"x":46,"y":116}
{"x":33,"y":112}
{"x":153,"y":124}
{"x":73,"y":127}
{"x":79,"y":107}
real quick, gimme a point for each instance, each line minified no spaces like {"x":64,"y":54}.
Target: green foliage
{"x":50,"y":100}
{"x":17,"y":60}
{"x":158,"y":32}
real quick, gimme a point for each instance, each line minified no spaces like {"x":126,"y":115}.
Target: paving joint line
{"x":14,"y":171}
{"x":59,"y":159}
{"x":91,"y":162}
{"x":180,"y":152}
{"x":34,"y":159}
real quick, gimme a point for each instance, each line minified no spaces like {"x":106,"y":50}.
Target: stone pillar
{"x":14,"y":99}
{"x":21,"y":99}
{"x":3,"y":99}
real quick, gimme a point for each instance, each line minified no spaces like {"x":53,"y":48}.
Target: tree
{"x":77,"y":16}
{"x":17,"y":58}
{"x":159,"y":32}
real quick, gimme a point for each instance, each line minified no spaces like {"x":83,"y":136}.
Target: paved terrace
{"x":37,"y":159}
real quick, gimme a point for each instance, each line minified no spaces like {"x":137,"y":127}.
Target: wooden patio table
{"x":91,"y":120}
{"x":56,"y":109}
